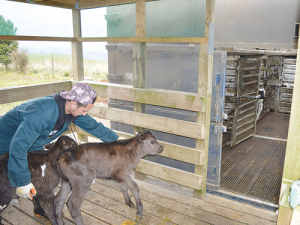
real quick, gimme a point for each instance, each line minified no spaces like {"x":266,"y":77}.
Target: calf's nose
{"x":161,"y":149}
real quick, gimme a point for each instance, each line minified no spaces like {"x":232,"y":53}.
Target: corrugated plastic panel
{"x":164,"y":18}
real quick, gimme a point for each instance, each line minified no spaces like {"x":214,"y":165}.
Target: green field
{"x":41,"y":69}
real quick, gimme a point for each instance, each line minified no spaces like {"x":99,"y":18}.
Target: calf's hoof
{"x":139,"y":217}
{"x":38,"y":210}
{"x":131,"y":205}
{"x":139,"y":214}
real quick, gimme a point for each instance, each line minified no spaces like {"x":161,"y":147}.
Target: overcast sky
{"x":35,"y":20}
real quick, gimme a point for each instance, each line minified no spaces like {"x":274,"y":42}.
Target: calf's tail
{"x":59,"y":171}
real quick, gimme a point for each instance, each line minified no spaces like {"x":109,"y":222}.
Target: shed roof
{"x":77,"y":4}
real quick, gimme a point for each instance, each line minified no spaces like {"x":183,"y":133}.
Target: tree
{"x":6,"y":47}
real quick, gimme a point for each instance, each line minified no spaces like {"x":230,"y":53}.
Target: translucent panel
{"x":164,"y":18}
{"x":175,"y":18}
{"x":121,"y":21}
{"x":93,"y":23}
{"x":35,"y":20}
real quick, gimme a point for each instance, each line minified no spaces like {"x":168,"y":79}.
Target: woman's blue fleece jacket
{"x":27,"y":127}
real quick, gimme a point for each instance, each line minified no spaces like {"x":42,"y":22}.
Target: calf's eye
{"x":152,"y":142}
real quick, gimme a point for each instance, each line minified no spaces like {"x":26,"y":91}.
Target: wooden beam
{"x":205,"y":88}
{"x":59,"y":4}
{"x":164,"y":124}
{"x":14,"y":94}
{"x":139,"y":56}
{"x":139,"y":64}
{"x":82,"y":4}
{"x":181,"y":153}
{"x":140,"y":18}
{"x":35,"y":38}
{"x":88,"y":4}
{"x":191,"y":40}
{"x":172,"y":99}
{"x":285,"y":215}
{"x":166,"y":98}
{"x":77,"y":52}
{"x":170,"y":174}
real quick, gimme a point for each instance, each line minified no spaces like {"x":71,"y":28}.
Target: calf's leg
{"x":60,"y":200}
{"x":46,"y":200}
{"x":129,"y":183}
{"x":124,"y":190}
{"x":79,"y":190}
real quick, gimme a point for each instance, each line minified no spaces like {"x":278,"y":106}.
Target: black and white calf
{"x":43,"y":176}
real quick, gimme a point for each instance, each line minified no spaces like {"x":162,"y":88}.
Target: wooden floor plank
{"x":167,"y":189}
{"x":14,"y":216}
{"x":211,"y":203}
{"x":26,"y":206}
{"x":202,"y":211}
{"x":112,"y":200}
{"x":163,"y":205}
{"x":163,"y":208}
{"x":94,"y":214}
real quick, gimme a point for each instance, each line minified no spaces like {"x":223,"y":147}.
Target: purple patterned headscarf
{"x":80,"y":92}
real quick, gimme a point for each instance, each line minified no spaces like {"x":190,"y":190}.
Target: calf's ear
{"x":49,"y":145}
{"x":142,"y":136}
{"x":64,"y":142}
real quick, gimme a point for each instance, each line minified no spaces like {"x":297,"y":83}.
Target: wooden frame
{"x":159,"y":97}
{"x":23,"y":93}
{"x":140,"y":95}
{"x":77,"y":51}
{"x":81,"y":4}
{"x":190,"y":40}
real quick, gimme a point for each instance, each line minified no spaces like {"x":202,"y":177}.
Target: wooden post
{"x":77,"y":53}
{"x":52,"y":65}
{"x":205,"y":89}
{"x":139,"y":62}
{"x":291,"y":170}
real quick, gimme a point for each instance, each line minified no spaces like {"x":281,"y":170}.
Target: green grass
{"x":40,"y":71}
{"x":12,"y":79}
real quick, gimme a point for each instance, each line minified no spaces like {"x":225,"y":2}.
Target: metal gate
{"x":287,"y":87}
{"x":242,"y":87}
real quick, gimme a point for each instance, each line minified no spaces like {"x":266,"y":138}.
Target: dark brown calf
{"x":80,"y":165}
{"x":43,"y":176}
